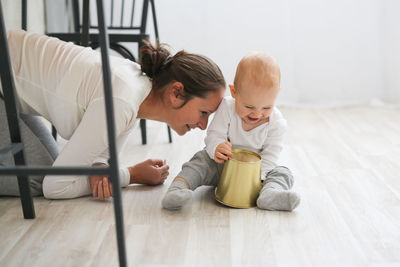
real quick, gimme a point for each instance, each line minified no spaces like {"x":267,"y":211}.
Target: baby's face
{"x":254,"y":105}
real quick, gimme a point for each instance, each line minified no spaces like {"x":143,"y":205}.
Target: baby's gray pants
{"x":40,"y":149}
{"x":202,"y":170}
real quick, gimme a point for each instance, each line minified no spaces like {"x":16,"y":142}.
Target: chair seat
{"x":94,"y":37}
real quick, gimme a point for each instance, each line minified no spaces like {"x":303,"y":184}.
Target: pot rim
{"x":237,"y":150}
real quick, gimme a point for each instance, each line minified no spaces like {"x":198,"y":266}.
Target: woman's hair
{"x":198,"y":74}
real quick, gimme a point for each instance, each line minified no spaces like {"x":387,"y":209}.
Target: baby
{"x":247,"y":120}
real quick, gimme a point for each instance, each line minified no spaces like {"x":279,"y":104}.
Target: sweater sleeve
{"x":272,"y":146}
{"x":88,"y":142}
{"x":217,"y":132}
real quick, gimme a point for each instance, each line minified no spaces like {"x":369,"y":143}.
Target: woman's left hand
{"x":150,"y":172}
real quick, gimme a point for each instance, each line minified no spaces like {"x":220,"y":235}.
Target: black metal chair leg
{"x":24,"y":17}
{"x":7,"y":81}
{"x":85,"y":24}
{"x":28,"y":208}
{"x":169,"y":134}
{"x":143,"y":131}
{"x":54,"y":132}
{"x":119,"y":219}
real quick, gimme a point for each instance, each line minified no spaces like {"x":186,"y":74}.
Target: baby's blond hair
{"x":259,"y":69}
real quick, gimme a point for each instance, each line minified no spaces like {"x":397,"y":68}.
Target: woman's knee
{"x":66,"y":187}
{"x":41,"y":133}
{"x":51,"y":188}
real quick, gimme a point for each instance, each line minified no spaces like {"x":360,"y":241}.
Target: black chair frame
{"x":16,"y":148}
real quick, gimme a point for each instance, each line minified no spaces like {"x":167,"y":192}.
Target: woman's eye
{"x":204,"y":113}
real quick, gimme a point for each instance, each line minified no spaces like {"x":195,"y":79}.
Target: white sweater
{"x":63,"y":83}
{"x":266,"y":139}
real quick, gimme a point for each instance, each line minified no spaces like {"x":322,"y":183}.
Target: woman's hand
{"x":223,"y":152}
{"x":150,"y":172}
{"x":101,"y":186}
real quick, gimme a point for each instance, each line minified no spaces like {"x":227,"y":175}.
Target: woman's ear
{"x":176,"y":94}
{"x":233,"y":91}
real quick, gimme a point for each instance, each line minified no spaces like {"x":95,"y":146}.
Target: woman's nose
{"x":202,"y":124}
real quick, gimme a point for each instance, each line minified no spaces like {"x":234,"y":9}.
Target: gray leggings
{"x":202,"y":170}
{"x":40,"y":149}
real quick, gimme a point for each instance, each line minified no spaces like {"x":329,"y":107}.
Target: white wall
{"x":12,"y":14}
{"x":332,"y":53}
{"x":390,"y":36}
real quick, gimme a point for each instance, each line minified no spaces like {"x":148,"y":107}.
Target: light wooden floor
{"x":347,"y":168}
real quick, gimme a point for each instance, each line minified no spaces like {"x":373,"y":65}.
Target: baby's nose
{"x":257,"y":113}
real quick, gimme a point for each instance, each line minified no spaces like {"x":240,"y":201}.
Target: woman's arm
{"x":150,"y":172}
{"x":86,"y":144}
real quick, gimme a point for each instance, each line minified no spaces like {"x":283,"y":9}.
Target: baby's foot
{"x":177,"y":196}
{"x":278,"y":199}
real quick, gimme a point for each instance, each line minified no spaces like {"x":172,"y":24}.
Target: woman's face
{"x":195,"y":112}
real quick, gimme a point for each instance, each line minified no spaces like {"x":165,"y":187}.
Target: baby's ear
{"x":233,"y":91}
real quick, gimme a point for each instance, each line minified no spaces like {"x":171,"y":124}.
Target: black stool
{"x":16,"y":148}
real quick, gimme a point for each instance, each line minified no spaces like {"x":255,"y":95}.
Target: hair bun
{"x":153,"y":58}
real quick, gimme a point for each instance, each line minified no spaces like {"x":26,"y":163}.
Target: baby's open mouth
{"x":252,"y":119}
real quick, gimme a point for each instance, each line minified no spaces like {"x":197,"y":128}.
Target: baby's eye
{"x":266,"y":108}
{"x":249,"y":107}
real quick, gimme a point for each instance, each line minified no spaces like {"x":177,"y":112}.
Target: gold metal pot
{"x":240,"y":181}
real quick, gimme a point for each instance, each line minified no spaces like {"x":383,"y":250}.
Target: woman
{"x":63,"y":83}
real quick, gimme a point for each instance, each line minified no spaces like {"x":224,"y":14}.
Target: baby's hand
{"x":223,"y":152}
